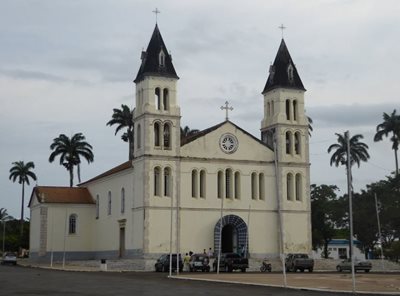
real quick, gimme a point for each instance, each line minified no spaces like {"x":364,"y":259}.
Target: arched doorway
{"x":233,"y":235}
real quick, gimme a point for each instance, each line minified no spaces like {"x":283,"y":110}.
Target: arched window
{"x":109,"y":203}
{"x":220,"y":181}
{"x":157,"y":134}
{"x":157,"y":181}
{"x":228,"y":183}
{"x":237,"y":185}
{"x":157,"y":98}
{"x":139,"y":136}
{"x":261,"y":189}
{"x":290,"y":73}
{"x":288,"y":142}
{"x":268,"y":109}
{"x":166,"y":99}
{"x":297,"y":143}
{"x":72,"y":224}
{"x":122,"y":200}
{"x":167,"y":182}
{"x":194,"y":183}
{"x":254,"y":186}
{"x":299,"y":186}
{"x":167,"y":136}
{"x":97,"y":206}
{"x":289,"y":186}
{"x":288,"y":109}
{"x":202,"y":183}
{"x":295,"y":110}
{"x":161,"y":58}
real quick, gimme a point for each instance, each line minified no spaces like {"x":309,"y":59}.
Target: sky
{"x":64,"y":65}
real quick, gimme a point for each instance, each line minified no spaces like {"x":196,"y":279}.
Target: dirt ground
{"x":365,"y":282}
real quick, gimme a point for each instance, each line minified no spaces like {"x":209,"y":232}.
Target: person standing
{"x":186,"y":261}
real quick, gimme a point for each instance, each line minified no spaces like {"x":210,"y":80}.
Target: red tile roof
{"x":119,"y":168}
{"x":54,"y":194}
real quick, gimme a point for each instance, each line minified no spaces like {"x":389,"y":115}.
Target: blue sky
{"x":64,"y":65}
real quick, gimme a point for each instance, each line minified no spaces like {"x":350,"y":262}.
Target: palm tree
{"x":4,"y":216}
{"x":22,"y":172}
{"x":187,"y":132}
{"x":390,"y":124}
{"x":123,"y":118}
{"x":358,"y":150}
{"x":70,"y":152}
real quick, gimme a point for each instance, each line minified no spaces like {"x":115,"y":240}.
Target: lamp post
{"x":4,"y":234}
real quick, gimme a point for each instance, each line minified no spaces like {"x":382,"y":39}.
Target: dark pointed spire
{"x":156,"y":61}
{"x":283,"y":72}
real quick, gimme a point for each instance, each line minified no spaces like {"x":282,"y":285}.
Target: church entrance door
{"x":121,"y":242}
{"x":229,"y":241}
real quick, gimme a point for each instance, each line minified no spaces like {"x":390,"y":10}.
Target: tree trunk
{"x":22,"y":210}
{"x":79,"y":172}
{"x":130,"y":149}
{"x":71,"y":176}
{"x":326,"y":255}
{"x":397,"y":162}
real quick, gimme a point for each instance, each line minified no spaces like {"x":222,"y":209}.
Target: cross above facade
{"x":156,"y":12}
{"x":226,"y":108}
{"x":282,"y":27}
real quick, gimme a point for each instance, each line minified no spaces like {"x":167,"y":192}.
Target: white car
{"x":9,"y":258}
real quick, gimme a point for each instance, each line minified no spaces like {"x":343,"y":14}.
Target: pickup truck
{"x":294,"y":262}
{"x":231,"y":261}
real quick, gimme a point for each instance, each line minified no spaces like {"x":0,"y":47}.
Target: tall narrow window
{"x":139,"y":136}
{"x":72,"y":224}
{"x":157,"y":98}
{"x":166,"y":99}
{"x":261,"y":189}
{"x":122,"y":200}
{"x":237,"y":185}
{"x":194,"y":183}
{"x":272,"y":108}
{"x":109,"y":203}
{"x":228,"y":183}
{"x":297,"y":144}
{"x":254,"y":186}
{"x":167,"y":182}
{"x":288,"y":109}
{"x":202,"y":184}
{"x":161,"y":58}
{"x":220,"y":181}
{"x":289,"y":186}
{"x":167,"y":136}
{"x":157,"y":181}
{"x":157,"y":134}
{"x":299,"y":186}
{"x":97,"y":206}
{"x":295,"y":110}
{"x":288,"y":142}
{"x":268,"y":109}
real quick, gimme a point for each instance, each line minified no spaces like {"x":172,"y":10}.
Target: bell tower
{"x":157,"y":113}
{"x":285,"y":123}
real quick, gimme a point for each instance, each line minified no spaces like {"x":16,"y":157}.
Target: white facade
{"x":191,"y":179}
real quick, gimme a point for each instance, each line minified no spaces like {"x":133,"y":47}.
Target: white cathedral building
{"x":127,"y":212}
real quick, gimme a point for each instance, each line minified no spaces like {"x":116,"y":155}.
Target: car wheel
{"x":301,"y":269}
{"x":338,"y":268}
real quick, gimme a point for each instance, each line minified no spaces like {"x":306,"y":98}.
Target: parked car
{"x":9,"y":258}
{"x":231,"y":261}
{"x":162,"y":263}
{"x":294,"y":262}
{"x":358,"y":265}
{"x":199,"y":262}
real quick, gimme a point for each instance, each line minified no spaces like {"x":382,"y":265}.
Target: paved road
{"x":33,"y":281}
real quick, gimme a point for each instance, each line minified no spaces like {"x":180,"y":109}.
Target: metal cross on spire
{"x":282,"y":27}
{"x":156,"y":11}
{"x":226,"y":108}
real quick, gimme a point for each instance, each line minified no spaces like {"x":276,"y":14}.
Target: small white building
{"x":126,"y":211}
{"x":339,"y":249}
